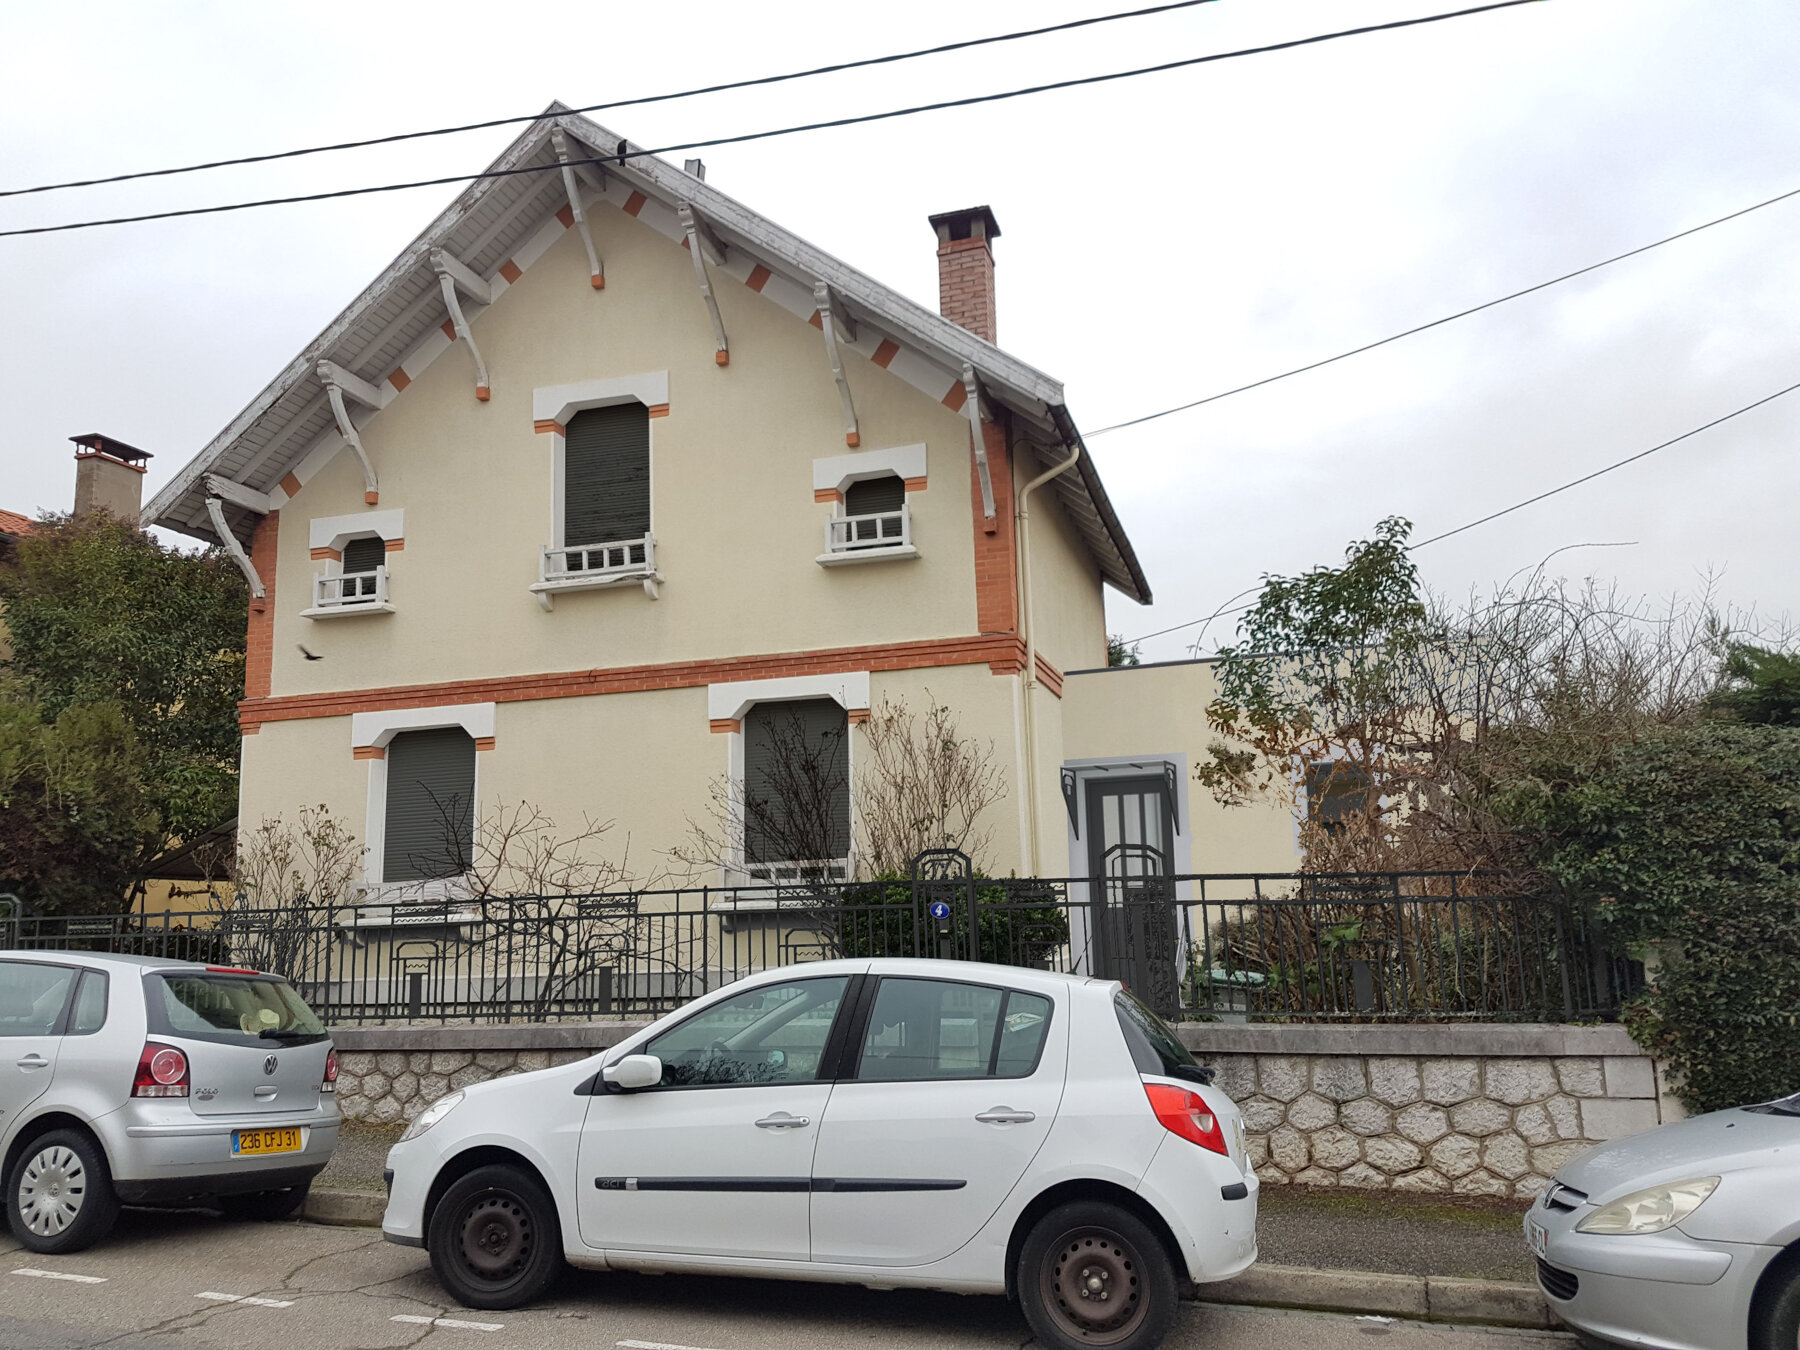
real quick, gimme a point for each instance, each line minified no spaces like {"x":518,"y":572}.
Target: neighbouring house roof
{"x":11,"y":522}
{"x":495,"y":217}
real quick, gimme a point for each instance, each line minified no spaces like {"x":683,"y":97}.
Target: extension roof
{"x":11,"y":522}
{"x":495,"y":217}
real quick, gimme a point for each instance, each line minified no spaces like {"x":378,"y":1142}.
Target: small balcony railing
{"x":598,"y":564}
{"x":883,"y":529}
{"x":348,"y":590}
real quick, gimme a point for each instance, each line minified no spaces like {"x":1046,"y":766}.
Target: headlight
{"x":1652,"y":1210}
{"x":431,"y":1115}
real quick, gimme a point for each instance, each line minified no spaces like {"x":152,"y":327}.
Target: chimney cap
{"x":962,"y":224}
{"x":111,"y":447}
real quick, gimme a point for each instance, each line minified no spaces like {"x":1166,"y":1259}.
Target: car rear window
{"x":231,"y":1009}
{"x":1155,"y":1049}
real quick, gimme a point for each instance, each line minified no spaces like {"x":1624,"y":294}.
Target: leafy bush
{"x":1013,"y":927}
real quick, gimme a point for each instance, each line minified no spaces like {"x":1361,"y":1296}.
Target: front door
{"x":1131,"y":830}
{"x":717,"y":1159}
{"x":949,"y":1093}
{"x":33,"y":997}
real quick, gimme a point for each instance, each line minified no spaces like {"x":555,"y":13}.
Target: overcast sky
{"x":1164,"y":238}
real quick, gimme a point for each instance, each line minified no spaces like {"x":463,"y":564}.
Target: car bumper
{"x":162,"y":1150}
{"x":408,"y":1173}
{"x":1657,"y":1289}
{"x":1187,"y":1185}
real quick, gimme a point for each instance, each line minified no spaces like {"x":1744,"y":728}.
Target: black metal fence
{"x":1365,"y":947}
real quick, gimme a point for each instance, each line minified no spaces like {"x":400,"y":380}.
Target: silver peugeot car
{"x":139,"y":1080}
{"x":1685,"y":1237}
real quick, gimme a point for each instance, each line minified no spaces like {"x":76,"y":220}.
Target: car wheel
{"x":59,"y":1196}
{"x":264,"y":1206}
{"x":494,"y":1239}
{"x":1777,"y":1319}
{"x":1092,"y":1274}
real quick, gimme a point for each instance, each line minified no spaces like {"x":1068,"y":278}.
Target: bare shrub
{"x":922,"y":785}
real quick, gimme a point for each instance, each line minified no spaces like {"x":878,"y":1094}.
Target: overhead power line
{"x":1507,"y":510}
{"x":1448,"y":318}
{"x":864,"y":63}
{"x":626,"y":153}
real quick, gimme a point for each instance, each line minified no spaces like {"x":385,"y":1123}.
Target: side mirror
{"x":633,"y":1072}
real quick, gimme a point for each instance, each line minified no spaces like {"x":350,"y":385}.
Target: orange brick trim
{"x":915,"y":484}
{"x":658,"y":410}
{"x":290,"y":484}
{"x":371,"y":499}
{"x":326,"y":553}
{"x":758,"y":278}
{"x":721,"y":358}
{"x":399,"y":379}
{"x":395,"y":545}
{"x":726,"y":724}
{"x":996,"y":650}
{"x":250,"y":730}
{"x":484,"y":742}
{"x":958,"y":395}
{"x":259,"y":632}
{"x":816,"y":321}
{"x":566,"y":215}
{"x":544,"y":424}
{"x":511,"y":271}
{"x":635,"y":203}
{"x":1050,"y":676}
{"x":886,"y":352}
{"x":856,"y":716}
{"x":996,"y":560}
{"x":449,"y":327}
{"x":823,"y":495}
{"x":368,"y":752}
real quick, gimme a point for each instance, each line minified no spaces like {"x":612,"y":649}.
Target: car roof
{"x":114,"y":960}
{"x":933,"y":968}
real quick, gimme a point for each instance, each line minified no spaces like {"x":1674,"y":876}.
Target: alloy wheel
{"x":1091,"y":1285}
{"x":52,"y":1187}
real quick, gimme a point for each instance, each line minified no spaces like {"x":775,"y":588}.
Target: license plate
{"x":1537,"y":1236}
{"x":245,"y":1143}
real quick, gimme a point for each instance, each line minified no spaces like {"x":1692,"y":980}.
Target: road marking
{"x":454,"y":1323}
{"x":656,"y":1345}
{"x":246,"y":1298}
{"x":59,"y":1275}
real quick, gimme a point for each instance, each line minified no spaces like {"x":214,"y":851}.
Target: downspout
{"x":1025,"y":619}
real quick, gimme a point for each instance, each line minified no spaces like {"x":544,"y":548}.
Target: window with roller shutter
{"x":606,"y":477}
{"x":430,"y":812}
{"x":796,"y":782}
{"x":872,"y":507}
{"x":361,"y":559}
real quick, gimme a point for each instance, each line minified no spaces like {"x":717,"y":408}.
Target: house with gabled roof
{"x":606,"y":471}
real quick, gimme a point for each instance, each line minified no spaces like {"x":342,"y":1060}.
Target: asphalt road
{"x":189,"y":1279}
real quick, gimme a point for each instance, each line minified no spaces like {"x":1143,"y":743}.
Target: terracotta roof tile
{"x":11,"y":522}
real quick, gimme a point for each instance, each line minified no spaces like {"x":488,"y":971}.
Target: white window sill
{"x":346,"y":611}
{"x":547,"y":591}
{"x":867,"y":555}
{"x":436,"y":915}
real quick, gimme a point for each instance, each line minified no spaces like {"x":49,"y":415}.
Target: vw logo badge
{"x":270,"y":1064}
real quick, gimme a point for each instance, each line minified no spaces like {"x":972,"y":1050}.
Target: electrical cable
{"x":625,"y":152}
{"x":1448,"y":318}
{"x":616,"y":103}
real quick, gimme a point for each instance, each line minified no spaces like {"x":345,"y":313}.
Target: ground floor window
{"x":430,"y":809}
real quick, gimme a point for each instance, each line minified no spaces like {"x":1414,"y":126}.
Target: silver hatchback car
{"x":139,"y":1080}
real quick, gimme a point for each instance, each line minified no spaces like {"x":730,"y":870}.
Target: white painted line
{"x":59,"y":1275}
{"x":246,"y":1298}
{"x":454,"y":1323}
{"x":656,"y":1345}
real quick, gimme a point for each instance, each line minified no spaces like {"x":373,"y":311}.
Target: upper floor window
{"x":796,"y":790}
{"x":357,"y":583}
{"x":605,"y":519}
{"x":429,"y":815}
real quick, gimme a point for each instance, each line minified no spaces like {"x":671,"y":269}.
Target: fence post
{"x":1565,"y":955}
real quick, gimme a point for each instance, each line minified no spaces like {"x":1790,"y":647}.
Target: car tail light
{"x":162,"y":1071}
{"x":330,"y":1083}
{"x":1186,"y":1114}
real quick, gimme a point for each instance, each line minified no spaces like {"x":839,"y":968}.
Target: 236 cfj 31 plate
{"x":250,"y":1143}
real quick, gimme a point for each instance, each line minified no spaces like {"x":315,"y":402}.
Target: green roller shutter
{"x":430,"y":804}
{"x":364,"y":555}
{"x":606,"y":476}
{"x":874,"y":496}
{"x":796,"y":782}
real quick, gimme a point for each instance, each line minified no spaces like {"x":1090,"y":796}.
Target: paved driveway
{"x":193,"y":1279}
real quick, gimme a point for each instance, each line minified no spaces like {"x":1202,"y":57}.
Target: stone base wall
{"x":1489,"y":1110}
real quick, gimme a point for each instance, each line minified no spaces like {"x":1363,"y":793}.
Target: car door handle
{"x":781,"y":1120}
{"x":34,"y":1061}
{"x":1005,"y":1115}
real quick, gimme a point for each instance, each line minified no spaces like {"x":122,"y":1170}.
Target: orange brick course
{"x":259,"y":634}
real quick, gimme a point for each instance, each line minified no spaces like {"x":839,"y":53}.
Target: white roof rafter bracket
{"x":453,"y":276}
{"x":239,"y":495}
{"x":700,"y":240}
{"x":978,"y":442}
{"x":355,"y":386}
{"x":596,"y":269}
{"x":216,"y":510}
{"x":347,"y":429}
{"x":835,"y":321}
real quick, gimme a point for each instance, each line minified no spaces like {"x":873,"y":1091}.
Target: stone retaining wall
{"x":1489,"y":1110}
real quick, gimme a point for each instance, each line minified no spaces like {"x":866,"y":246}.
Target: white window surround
{"x":839,"y":471}
{"x":559,"y":402}
{"x":333,"y":532}
{"x":376,"y":729}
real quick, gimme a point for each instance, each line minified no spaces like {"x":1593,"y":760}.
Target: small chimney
{"x":109,"y":476}
{"x":966,"y":268}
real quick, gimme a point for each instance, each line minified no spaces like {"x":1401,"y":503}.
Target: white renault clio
{"x":982,"y":1129}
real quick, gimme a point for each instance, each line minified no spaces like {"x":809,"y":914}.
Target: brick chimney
{"x":109,"y":476}
{"x":966,"y":268}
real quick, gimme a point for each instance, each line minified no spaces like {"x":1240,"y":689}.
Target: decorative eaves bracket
{"x":216,"y":510}
{"x":338,"y":382}
{"x":833,"y":320}
{"x":239,"y":495}
{"x":972,"y":410}
{"x":700,"y":239}
{"x":596,"y":269}
{"x":454,"y":276}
